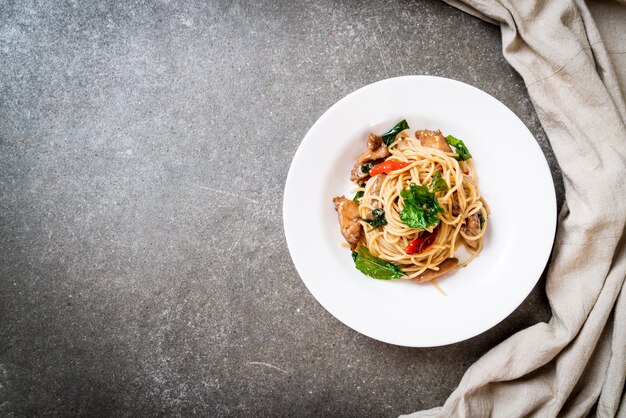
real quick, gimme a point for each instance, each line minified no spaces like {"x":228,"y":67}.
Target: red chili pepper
{"x":421,"y":243}
{"x":466,"y":172}
{"x":387,"y":167}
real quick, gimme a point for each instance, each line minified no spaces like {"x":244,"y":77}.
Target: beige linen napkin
{"x":573,"y":63}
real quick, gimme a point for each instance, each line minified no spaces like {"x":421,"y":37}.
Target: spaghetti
{"x":430,"y":203}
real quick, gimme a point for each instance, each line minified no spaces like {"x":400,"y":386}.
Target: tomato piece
{"x":387,"y":167}
{"x":421,"y":243}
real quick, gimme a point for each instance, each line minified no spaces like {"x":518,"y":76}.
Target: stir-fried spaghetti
{"x":414,"y":207}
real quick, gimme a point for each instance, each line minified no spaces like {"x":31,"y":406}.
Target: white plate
{"x":513,"y":176}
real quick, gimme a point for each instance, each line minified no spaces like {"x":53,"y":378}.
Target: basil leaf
{"x":354,"y":255}
{"x":379,"y":219}
{"x":390,"y":136}
{"x":438,"y":184}
{"x":374,"y":267}
{"x":358,"y":196}
{"x":459,"y":148}
{"x":420,"y":207}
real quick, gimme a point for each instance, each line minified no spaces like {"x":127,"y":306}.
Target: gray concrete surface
{"x":143,"y":152}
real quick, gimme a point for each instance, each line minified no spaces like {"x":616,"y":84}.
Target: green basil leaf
{"x":390,"y":136}
{"x":459,"y":148}
{"x":378,"y":219}
{"x":358,"y":196}
{"x":420,"y":207}
{"x":374,"y":267}
{"x":438,"y":184}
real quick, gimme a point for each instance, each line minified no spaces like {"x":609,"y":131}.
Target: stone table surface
{"x":144,"y":148}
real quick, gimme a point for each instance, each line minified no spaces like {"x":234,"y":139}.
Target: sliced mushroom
{"x":375,"y":191}
{"x":374,"y":141}
{"x":348,"y":214}
{"x":471,"y":229}
{"x":444,"y":267}
{"x":376,"y":150}
{"x":433,"y":139}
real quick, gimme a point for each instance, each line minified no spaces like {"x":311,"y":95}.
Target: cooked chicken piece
{"x":446,"y":266}
{"x":376,"y":150}
{"x":348,"y":213}
{"x":472,"y":228}
{"x":433,"y":139}
{"x":374,"y":141}
{"x":375,"y":191}
{"x":357,"y":176}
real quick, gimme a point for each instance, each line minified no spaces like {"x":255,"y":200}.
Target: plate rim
{"x":552,"y":194}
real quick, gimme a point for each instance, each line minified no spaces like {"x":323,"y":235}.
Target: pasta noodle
{"x":462,"y":200}
{"x":418,"y":202}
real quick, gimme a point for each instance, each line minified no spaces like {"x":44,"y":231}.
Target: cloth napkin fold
{"x":572,"y":60}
